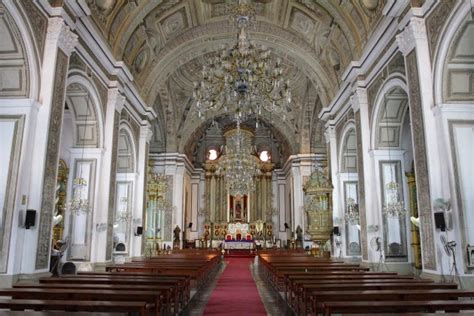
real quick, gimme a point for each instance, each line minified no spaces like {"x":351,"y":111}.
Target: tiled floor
{"x":274,"y":304}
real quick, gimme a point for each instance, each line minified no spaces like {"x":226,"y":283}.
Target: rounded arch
{"x":82,"y":94}
{"x":388,"y":114}
{"x":179,"y":52}
{"x":29,"y":48}
{"x":348,"y":148}
{"x":126,"y":150}
{"x":450,"y":35}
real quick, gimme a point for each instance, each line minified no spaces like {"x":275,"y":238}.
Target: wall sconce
{"x":100,"y":227}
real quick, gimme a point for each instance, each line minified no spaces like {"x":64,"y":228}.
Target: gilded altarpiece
{"x":159,"y":210}
{"x":223,"y":210}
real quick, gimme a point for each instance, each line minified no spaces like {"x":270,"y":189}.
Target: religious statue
{"x":299,"y":233}
{"x":299,"y":237}
{"x":176,"y":232}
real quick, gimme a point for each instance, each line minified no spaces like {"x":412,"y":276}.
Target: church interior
{"x":159,"y":156}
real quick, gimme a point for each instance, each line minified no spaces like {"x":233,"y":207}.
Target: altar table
{"x":239,"y":244}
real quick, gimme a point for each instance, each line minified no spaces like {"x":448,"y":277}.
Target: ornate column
{"x":140,"y":187}
{"x":365,"y":165}
{"x":413,"y":43}
{"x":60,"y":42}
{"x":331,"y":139}
{"x":212,"y":197}
{"x":298,"y":196}
{"x":102,"y":246}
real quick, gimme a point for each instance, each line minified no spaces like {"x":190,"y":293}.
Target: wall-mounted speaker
{"x":440,"y":222}
{"x":139,"y":231}
{"x":190,"y":225}
{"x":336,"y":231}
{"x":30,"y":218}
{"x":286,"y":226}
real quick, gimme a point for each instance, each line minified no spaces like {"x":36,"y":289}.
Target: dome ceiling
{"x":166,"y":42}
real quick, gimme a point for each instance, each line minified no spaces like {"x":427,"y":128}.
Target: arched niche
{"x":126,"y":152}
{"x":81,"y":140}
{"x":14,"y":72}
{"x":125,"y":190}
{"x":349,"y":188}
{"x":454,"y":91}
{"x":393,"y":158}
{"x":348,"y":151}
{"x":458,"y":73}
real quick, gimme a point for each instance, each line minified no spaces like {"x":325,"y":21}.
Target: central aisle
{"x":235,"y":292}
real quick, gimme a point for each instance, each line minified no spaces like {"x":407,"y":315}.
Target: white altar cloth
{"x":239,"y":244}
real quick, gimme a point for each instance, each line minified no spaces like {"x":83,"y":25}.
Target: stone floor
{"x":272,"y":301}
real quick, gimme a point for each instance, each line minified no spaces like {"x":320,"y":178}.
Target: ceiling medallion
{"x":243,"y":79}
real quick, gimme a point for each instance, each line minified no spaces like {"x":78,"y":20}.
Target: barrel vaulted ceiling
{"x":166,"y":42}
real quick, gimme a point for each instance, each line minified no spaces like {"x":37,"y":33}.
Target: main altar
{"x":238,"y":220}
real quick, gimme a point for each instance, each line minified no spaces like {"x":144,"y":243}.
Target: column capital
{"x":60,"y":34}
{"x":330,"y":133}
{"x":359,"y":98}
{"x":146,"y":131}
{"x":414,"y":31}
{"x":116,"y":99}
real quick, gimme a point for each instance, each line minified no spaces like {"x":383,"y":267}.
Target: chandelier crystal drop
{"x":79,"y":205}
{"x":243,"y":80}
{"x":393,"y":201}
{"x":352,"y":212}
{"x":239,"y":165}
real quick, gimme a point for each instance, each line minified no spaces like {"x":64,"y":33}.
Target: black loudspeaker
{"x":336,"y":231}
{"x":190,"y":225}
{"x":30,"y":218}
{"x":440,"y":223}
{"x":139,"y":231}
{"x":286,"y":226}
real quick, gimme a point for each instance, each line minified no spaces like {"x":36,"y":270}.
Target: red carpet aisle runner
{"x":235,"y":292}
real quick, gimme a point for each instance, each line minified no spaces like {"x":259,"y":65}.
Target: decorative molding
{"x":112,"y":190}
{"x":39,"y":23}
{"x":51,"y":162}
{"x":435,"y":22}
{"x":361,"y":188}
{"x":421,"y":163}
{"x":61,"y":35}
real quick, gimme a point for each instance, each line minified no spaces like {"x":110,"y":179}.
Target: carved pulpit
{"x":318,"y":206}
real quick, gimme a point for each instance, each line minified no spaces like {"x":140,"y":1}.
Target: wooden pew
{"x":395,"y":306}
{"x":152,"y":297}
{"x":387,"y":295}
{"x":141,"y":308}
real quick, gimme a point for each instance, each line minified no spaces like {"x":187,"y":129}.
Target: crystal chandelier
{"x":239,"y":166}
{"x":352,"y":212}
{"x":393,"y":202}
{"x":394,"y":205}
{"x":79,"y":205}
{"x":243,"y":80}
{"x":124,"y":215}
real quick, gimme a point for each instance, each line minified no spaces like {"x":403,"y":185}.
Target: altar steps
{"x":239,"y":253}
